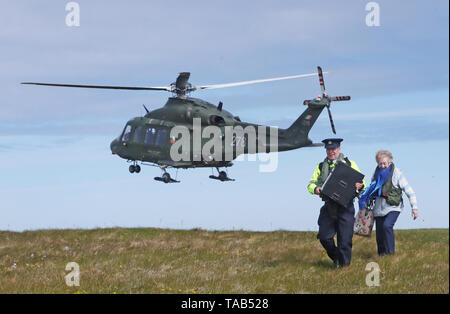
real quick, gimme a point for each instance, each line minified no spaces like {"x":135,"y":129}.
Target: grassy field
{"x":198,"y":261}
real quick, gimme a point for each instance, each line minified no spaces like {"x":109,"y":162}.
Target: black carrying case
{"x":340,"y":184}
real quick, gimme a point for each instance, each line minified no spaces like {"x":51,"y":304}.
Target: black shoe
{"x":336,"y":263}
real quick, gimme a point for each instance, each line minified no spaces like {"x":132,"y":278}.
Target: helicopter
{"x":154,"y":139}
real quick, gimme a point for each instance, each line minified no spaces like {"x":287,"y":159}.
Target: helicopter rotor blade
{"x":254,"y":81}
{"x":101,"y":86}
{"x":340,"y":98}
{"x":331,"y":120}
{"x":181,"y":86}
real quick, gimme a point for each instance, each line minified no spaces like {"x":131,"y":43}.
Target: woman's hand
{"x":318,"y":190}
{"x":359,"y":185}
{"x":415,"y":214}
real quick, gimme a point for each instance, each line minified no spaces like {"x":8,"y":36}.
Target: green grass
{"x":198,"y":261}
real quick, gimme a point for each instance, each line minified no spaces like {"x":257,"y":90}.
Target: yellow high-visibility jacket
{"x":315,"y":179}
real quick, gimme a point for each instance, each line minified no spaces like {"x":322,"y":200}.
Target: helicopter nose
{"x":115,"y":146}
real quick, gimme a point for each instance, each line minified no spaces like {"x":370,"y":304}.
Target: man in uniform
{"x":333,"y":217}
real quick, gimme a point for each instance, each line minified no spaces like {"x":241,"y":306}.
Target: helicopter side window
{"x":150,"y":136}
{"x":161,"y":137}
{"x":138,"y":136}
{"x":126,"y":133}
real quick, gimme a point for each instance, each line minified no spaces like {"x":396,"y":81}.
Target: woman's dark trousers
{"x":385,"y":233}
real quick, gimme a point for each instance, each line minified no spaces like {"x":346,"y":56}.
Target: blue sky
{"x":55,"y":164}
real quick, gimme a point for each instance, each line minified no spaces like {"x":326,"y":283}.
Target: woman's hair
{"x":383,"y":153}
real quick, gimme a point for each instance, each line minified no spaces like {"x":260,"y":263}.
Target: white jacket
{"x":382,"y":208}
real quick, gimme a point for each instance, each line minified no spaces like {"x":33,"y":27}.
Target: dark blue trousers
{"x":385,"y":233}
{"x":342,"y":225}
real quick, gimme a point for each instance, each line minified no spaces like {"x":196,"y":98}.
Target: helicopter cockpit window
{"x":138,"y":136}
{"x":161,"y":137}
{"x":126,"y":133}
{"x":150,"y":136}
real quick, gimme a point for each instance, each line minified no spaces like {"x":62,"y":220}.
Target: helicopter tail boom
{"x":297,"y":133}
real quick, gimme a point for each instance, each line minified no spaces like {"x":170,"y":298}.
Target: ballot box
{"x":340,"y":184}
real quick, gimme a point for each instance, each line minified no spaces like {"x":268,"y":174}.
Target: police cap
{"x":332,"y":142}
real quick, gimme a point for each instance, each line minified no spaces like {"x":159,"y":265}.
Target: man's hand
{"x":359,"y":185}
{"x":318,"y":190}
{"x":415,"y":214}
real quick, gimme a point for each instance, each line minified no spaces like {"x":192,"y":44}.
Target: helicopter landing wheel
{"x":223,"y":176}
{"x":166,"y":177}
{"x":134,"y":168}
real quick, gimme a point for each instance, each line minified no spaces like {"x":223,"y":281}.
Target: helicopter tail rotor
{"x":326,"y":98}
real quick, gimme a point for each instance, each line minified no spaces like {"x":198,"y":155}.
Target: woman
{"x":386,"y":189}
